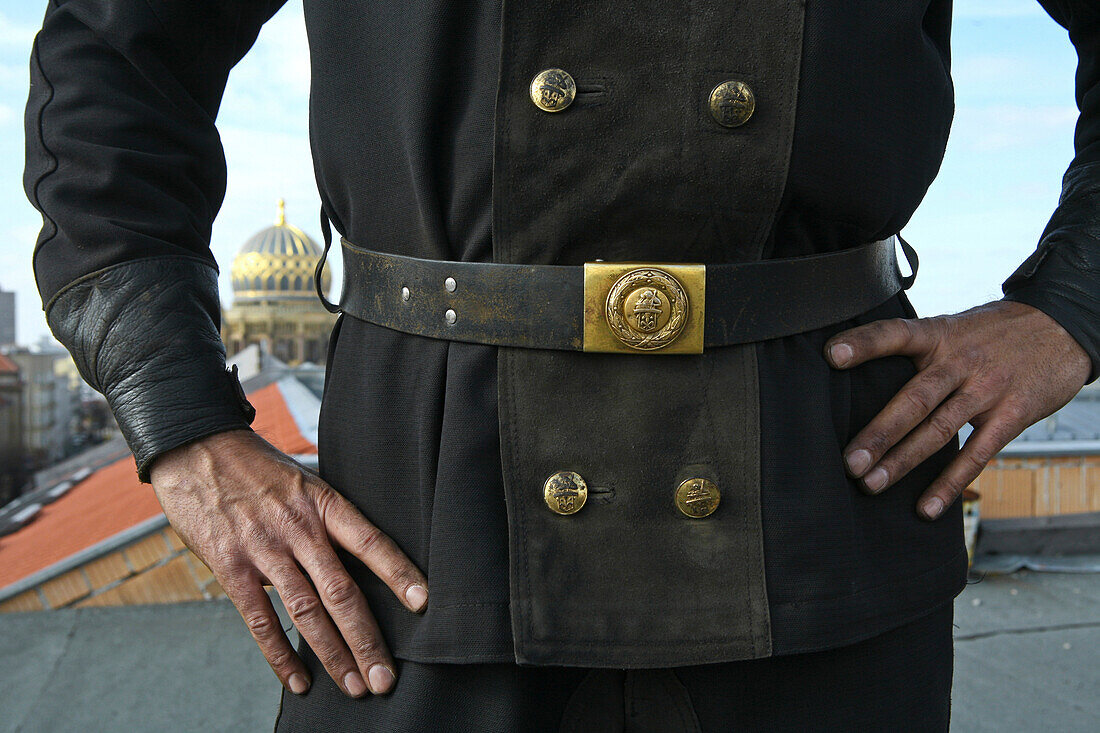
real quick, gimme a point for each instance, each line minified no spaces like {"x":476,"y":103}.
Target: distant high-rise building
{"x":13,"y":469}
{"x":7,"y":318}
{"x":49,"y":403}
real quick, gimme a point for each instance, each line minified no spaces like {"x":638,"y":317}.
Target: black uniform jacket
{"x":419,"y":114}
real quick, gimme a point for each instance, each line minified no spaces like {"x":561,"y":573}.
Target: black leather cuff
{"x":1062,"y":277}
{"x":1058,"y":290}
{"x":145,"y":334}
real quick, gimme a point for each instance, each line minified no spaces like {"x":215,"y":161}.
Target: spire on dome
{"x":280,"y":216}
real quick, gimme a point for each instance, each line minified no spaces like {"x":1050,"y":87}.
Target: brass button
{"x":697,"y":497}
{"x":553,"y":90}
{"x":732,"y":103}
{"x":565,"y":492}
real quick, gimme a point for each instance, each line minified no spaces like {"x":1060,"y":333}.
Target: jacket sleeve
{"x":126,"y":167}
{"x":1062,"y":276}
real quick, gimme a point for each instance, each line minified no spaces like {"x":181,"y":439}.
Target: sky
{"x":1010,"y":144}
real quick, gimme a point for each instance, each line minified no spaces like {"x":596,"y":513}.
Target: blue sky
{"x":1011,"y":142}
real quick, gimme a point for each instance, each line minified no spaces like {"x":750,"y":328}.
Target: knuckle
{"x":341,"y":590}
{"x":258,"y":536}
{"x":322,"y":495}
{"x":261,"y":625}
{"x":1016,"y":413}
{"x":973,"y":357}
{"x":230,"y":566}
{"x":950,"y":487}
{"x":942,"y":427}
{"x":920,"y":398}
{"x":905,"y":328}
{"x":280,"y":659}
{"x":303,"y":606}
{"x":1002,"y":435}
{"x":367,"y":646}
{"x":370,"y":540}
{"x":876,"y":441}
{"x":333,"y":655}
{"x":964,"y":405}
{"x":295,"y":518}
{"x":974,"y":461}
{"x":398,"y":572}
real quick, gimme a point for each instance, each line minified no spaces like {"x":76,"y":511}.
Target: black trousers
{"x":899,"y":680}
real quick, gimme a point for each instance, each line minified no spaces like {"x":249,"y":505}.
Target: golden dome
{"x":277,"y":262}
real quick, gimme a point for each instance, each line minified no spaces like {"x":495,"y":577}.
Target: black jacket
{"x":125,"y":165}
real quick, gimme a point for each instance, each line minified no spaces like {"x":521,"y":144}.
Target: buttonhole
{"x":603,"y":493}
{"x":590,"y":94}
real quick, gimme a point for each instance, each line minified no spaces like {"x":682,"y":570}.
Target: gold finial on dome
{"x":280,"y":216}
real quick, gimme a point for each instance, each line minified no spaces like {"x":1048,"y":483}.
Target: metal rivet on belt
{"x":450,"y":316}
{"x":450,"y":284}
{"x":406,"y":294}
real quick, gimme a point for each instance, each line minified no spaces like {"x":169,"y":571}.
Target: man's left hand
{"x":1001,"y":367}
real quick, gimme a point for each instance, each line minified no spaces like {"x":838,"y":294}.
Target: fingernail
{"x":381,"y":679}
{"x":417,"y":596}
{"x":353,"y":683}
{"x":841,"y":354}
{"x":875,"y":480}
{"x":859,"y":461}
{"x":298,"y":684}
{"x":933,"y":507}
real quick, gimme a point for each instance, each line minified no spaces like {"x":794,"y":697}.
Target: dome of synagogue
{"x":277,"y":263}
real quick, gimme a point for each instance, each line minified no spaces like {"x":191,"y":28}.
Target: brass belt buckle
{"x":644,"y":308}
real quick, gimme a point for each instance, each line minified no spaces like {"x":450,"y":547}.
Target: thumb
{"x":891,"y":337}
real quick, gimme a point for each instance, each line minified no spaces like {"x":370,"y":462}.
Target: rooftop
{"x":1025,"y":660}
{"x":89,"y":504}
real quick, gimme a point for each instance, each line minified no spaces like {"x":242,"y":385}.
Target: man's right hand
{"x":256,"y":517}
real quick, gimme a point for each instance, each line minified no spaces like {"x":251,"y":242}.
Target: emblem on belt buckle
{"x":639,"y":307}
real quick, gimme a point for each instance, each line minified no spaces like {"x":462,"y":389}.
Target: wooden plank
{"x":1073,"y":497}
{"x":168,"y":583}
{"x":64,"y":589}
{"x":28,"y":600}
{"x":147,"y":552}
{"x":1013,"y":494}
{"x":1092,"y":486}
{"x":1046,"y":491}
{"x":106,"y":570}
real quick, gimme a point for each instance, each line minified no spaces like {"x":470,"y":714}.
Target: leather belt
{"x":619,"y":307}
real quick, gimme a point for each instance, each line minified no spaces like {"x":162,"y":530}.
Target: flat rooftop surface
{"x":1026,"y":652}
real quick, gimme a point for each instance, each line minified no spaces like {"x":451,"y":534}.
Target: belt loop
{"x":326,"y":231}
{"x":912,"y":259}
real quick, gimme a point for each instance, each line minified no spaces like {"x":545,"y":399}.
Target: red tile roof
{"x":112,"y":500}
{"x":7,"y":366}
